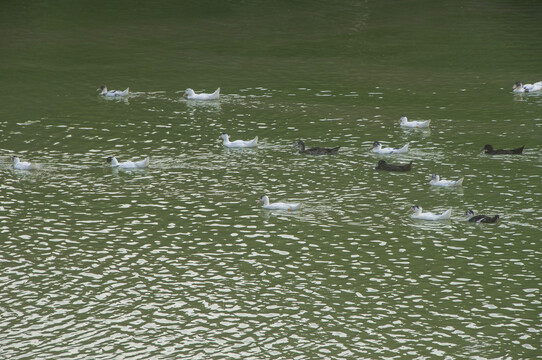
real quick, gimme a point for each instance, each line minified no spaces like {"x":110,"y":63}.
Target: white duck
{"x":128,"y":164}
{"x":377,"y":148}
{"x":279,"y":205}
{"x":414,"y":124}
{"x":191,"y":95}
{"x":418,"y":214}
{"x":518,"y":87}
{"x":22,"y":165}
{"x":436,"y":181}
{"x":112,"y":93}
{"x":238,"y":143}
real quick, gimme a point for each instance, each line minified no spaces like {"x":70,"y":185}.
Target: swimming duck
{"x":383,"y":165}
{"x":436,"y":181}
{"x":518,"y":87}
{"x":480,"y":218}
{"x":377,"y":148}
{"x":315,"y":150}
{"x":489,"y":150}
{"x":22,"y":165}
{"x":418,"y":214}
{"x":128,"y":164}
{"x":414,"y":124}
{"x":238,"y":143}
{"x":191,"y":95}
{"x":112,"y":93}
{"x":279,"y":205}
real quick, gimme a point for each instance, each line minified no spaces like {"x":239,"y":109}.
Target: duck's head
{"x":487,"y":147}
{"x":403,"y":120}
{"x":102,"y":88}
{"x":469,"y":213}
{"x":416,"y":209}
{"x":433,"y":177}
{"x":109,"y":160}
{"x":375,"y":145}
{"x":15,"y":158}
{"x":223,"y":136}
{"x":188,"y":92}
{"x":517,"y":85}
{"x":263,"y":199}
{"x":299,"y":143}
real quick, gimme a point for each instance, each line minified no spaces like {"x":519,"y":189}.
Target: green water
{"x":179,"y":261}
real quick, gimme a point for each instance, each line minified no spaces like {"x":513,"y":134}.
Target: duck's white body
{"x":377,"y":148}
{"x":112,"y":93}
{"x":279,"y":205}
{"x":191,"y":95}
{"x":518,"y":87}
{"x":414,"y":124}
{"x":418,"y":214}
{"x":436,"y":181}
{"x":112,"y":161}
{"x":238,"y":143}
{"x":22,"y":165}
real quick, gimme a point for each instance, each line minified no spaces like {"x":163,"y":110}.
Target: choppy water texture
{"x":179,"y":261}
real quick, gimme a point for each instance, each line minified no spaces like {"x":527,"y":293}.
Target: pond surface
{"x":179,"y":260}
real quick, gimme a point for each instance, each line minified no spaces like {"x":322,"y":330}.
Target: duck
{"x":22,"y":165}
{"x":278,"y":205}
{"x":414,"y":124}
{"x":489,"y":150}
{"x":112,"y":93}
{"x":418,"y":214}
{"x":436,"y":181}
{"x":315,"y":150}
{"x":191,"y":95}
{"x":238,"y":143}
{"x":480,"y":218}
{"x":377,"y":148}
{"x":518,"y":87}
{"x":383,"y":165}
{"x":113,"y":162}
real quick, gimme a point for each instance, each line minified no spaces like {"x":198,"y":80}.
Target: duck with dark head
{"x":315,"y":150}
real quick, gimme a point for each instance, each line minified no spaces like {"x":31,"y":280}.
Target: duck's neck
{"x":226,"y":138}
{"x":16,"y":160}
{"x":114,"y":162}
{"x":265,"y":200}
{"x":301,"y":145}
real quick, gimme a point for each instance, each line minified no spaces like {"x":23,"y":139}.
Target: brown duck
{"x":315,"y":150}
{"x":489,"y":150}
{"x":383,"y":165}
{"x":480,"y":218}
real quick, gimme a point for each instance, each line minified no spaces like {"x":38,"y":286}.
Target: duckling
{"x":418,"y":214}
{"x":414,"y":124}
{"x":383,"y":165}
{"x":315,"y":150}
{"x":436,"y":181}
{"x":112,"y":93}
{"x":278,"y":205}
{"x":128,"y":164}
{"x":376,"y":147}
{"x":480,"y":218}
{"x":22,"y":165}
{"x":191,"y":95}
{"x":238,"y":143}
{"x":489,"y":150}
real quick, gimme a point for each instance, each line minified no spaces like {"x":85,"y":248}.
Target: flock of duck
{"x":376,"y":147}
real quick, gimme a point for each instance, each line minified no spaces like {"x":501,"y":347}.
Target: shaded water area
{"x":179,"y":261}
